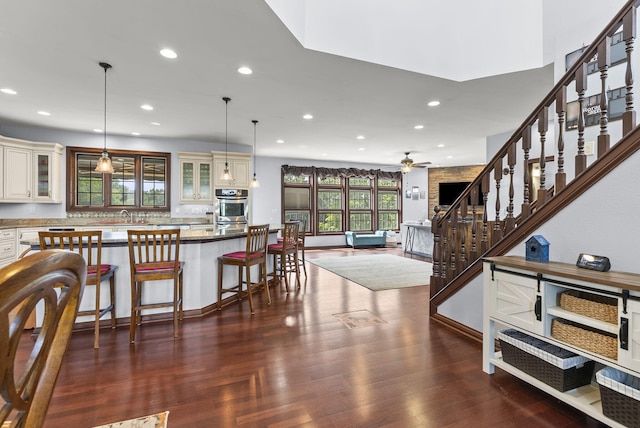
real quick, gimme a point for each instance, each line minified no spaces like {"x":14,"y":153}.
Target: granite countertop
{"x":93,"y":221}
{"x":188,"y":236}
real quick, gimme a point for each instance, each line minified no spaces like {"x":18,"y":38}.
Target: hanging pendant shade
{"x":226,"y":175}
{"x":254,"y":182}
{"x":104,"y":163}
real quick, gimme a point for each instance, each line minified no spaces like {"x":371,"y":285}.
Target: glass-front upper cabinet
{"x":31,"y":171}
{"x":195,"y":178}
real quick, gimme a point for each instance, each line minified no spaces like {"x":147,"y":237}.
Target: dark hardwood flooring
{"x":294,"y":364}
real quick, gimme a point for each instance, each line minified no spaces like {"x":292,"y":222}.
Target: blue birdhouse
{"x":537,"y":249}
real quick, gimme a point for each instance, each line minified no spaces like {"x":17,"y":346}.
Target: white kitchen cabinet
{"x":8,"y":246}
{"x":526,"y":296}
{"x":28,"y":234}
{"x":239,"y":167}
{"x":17,"y":173}
{"x":195,"y":178}
{"x":31,"y":171}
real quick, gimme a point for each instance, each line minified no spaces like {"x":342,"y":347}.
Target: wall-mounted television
{"x":448,"y":192}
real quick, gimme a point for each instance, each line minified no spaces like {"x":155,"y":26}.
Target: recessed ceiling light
{"x":449,"y":157}
{"x":44,"y":113}
{"x":280,"y":141}
{"x":418,"y":127}
{"x":8,"y":91}
{"x":360,"y":137}
{"x":245,"y":70}
{"x":324,"y":154}
{"x":98,"y":131}
{"x":135,"y":134}
{"x":155,"y":123}
{"x":433,"y":103}
{"x":146,"y":107}
{"x":440,"y":145}
{"x":308,"y":116}
{"x":168,"y":53}
{"x":361,"y":149}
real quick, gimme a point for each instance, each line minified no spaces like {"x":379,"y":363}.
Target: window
{"x":332,"y":201}
{"x":140,"y":181}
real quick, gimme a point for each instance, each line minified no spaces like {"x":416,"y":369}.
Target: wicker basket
{"x":589,"y":339}
{"x":555,"y":366}
{"x":620,"y":393}
{"x":602,"y":308}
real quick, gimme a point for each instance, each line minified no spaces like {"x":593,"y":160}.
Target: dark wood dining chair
{"x":89,"y":245}
{"x":285,"y":254}
{"x":56,"y":278}
{"x":154,"y":255}
{"x":255,"y":253}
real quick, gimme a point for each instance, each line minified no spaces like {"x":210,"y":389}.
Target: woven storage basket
{"x":620,"y":393}
{"x":602,"y":308}
{"x":589,"y":339}
{"x":555,"y":366}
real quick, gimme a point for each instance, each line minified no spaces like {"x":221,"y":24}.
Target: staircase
{"x":515,"y":194}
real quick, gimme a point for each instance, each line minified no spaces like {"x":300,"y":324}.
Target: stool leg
{"x":175,"y":306}
{"x":263,"y":279}
{"x":297,"y":264}
{"x":132,"y":326}
{"x":181,"y":289}
{"x":96,"y":326}
{"x":112,"y":293}
{"x":220,"y":266}
{"x":248,"y":287}
{"x":283,"y":268}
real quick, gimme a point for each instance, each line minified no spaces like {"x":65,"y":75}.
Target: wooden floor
{"x":294,"y":364}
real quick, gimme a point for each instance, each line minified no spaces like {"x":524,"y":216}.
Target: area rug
{"x":159,"y":420}
{"x":378,"y":271}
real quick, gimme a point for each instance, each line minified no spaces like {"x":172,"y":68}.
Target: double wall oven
{"x":232,"y":207}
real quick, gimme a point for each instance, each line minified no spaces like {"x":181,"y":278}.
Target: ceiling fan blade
{"x":421,"y":164}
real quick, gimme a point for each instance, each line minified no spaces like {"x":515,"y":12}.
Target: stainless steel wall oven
{"x":232,"y":206}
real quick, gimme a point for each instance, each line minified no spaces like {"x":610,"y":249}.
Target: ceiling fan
{"x":406,"y":164}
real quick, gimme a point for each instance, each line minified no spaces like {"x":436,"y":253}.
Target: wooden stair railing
{"x":464,"y":234}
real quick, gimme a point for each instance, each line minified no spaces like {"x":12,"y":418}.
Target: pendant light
{"x":254,"y":182}
{"x":226,"y":175}
{"x":104,"y":163}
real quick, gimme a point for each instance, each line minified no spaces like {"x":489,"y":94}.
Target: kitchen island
{"x":199,"y":249}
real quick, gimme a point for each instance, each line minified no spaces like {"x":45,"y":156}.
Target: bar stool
{"x":254,"y":254}
{"x":154,"y":256}
{"x":89,"y":245}
{"x":302,"y":233}
{"x":285,"y":254}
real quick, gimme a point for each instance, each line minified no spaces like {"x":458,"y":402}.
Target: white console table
{"x":524,"y":295}
{"x":417,"y":239}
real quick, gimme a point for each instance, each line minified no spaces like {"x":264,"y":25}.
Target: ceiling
{"x":50,"y":57}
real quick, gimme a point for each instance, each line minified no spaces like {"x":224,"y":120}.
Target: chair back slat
{"x":154,"y":247}
{"x":86,"y":243}
{"x":257,"y":237}
{"x":290,"y":233}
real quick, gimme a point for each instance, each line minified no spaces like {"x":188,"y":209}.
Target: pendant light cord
{"x":226,"y":130}
{"x":255,"y":122}
{"x":106,"y":67}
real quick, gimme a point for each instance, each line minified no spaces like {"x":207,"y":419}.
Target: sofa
{"x":376,"y":239}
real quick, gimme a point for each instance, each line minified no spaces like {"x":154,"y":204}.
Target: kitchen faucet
{"x":127,"y":213}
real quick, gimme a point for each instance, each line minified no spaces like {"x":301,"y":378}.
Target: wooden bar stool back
{"x":154,"y":255}
{"x":285,"y":254}
{"x":89,"y":245}
{"x":302,"y":233}
{"x":254,"y":254}
{"x":56,"y":278}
